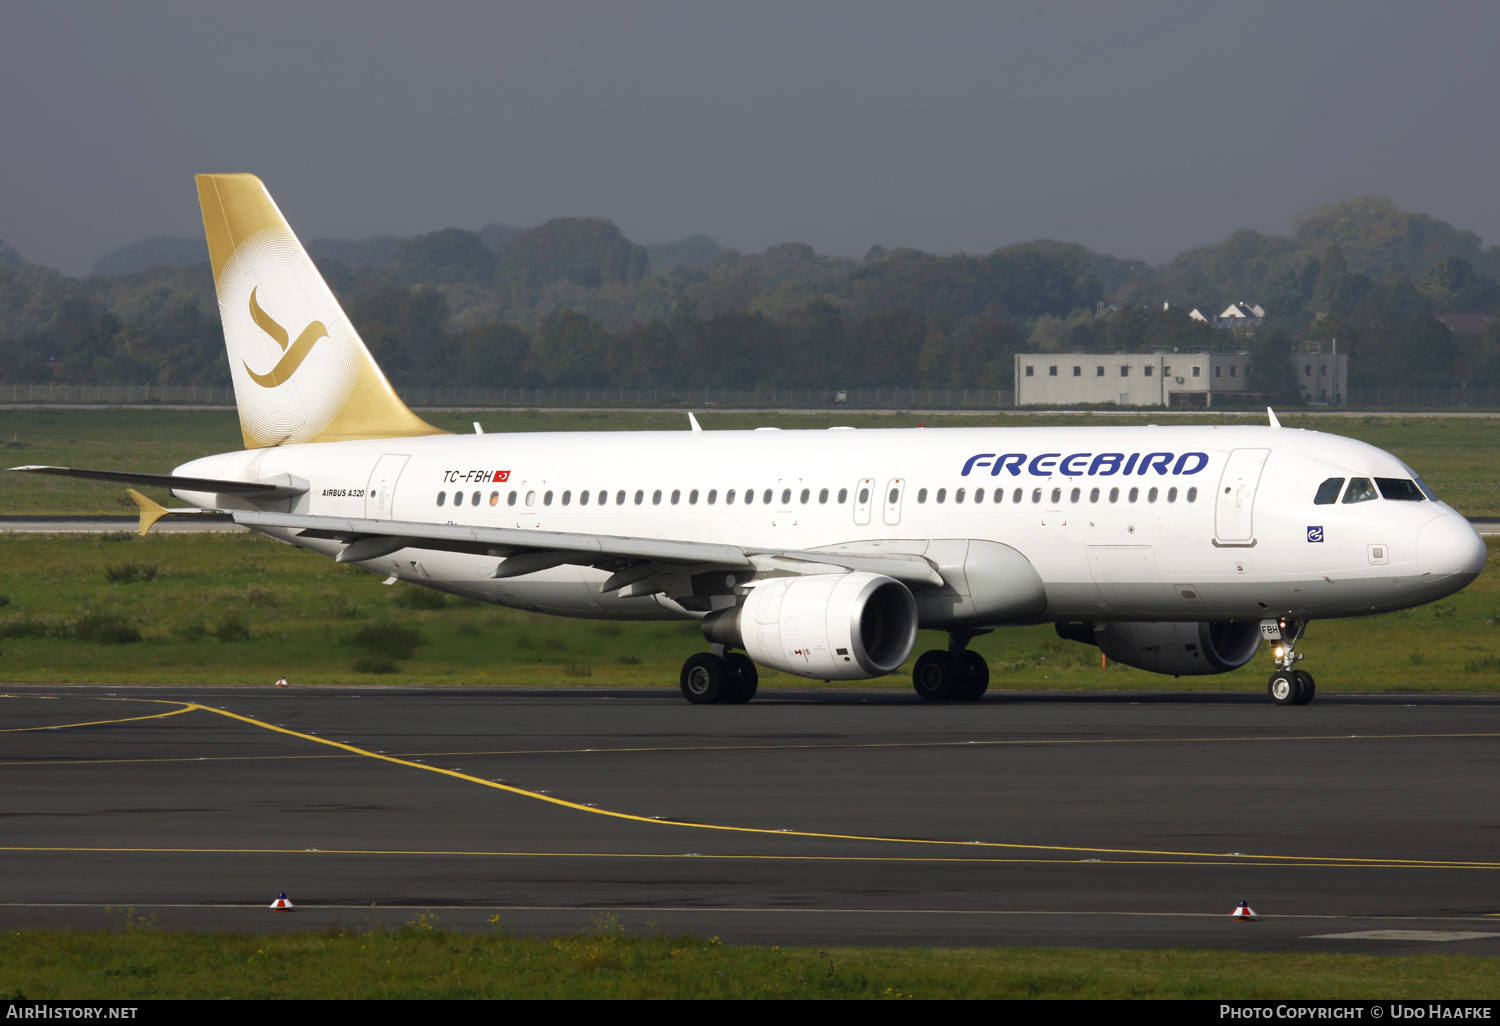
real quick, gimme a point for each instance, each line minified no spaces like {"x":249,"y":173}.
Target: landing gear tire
{"x":1285,"y":688}
{"x":745,"y":679}
{"x":940,"y":676}
{"x":706,"y":678}
{"x":1306,"y":687}
{"x":977,"y":672}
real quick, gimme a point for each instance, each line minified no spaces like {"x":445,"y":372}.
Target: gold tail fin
{"x":321,"y":387}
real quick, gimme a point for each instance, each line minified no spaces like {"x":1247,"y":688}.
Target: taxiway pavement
{"x":807,"y":817}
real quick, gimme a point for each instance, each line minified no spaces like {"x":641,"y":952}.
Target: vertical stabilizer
{"x":300,"y":371}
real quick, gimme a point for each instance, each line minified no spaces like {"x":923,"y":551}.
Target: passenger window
{"x":1056,"y":496}
{"x":942,"y":495}
{"x":583,"y":498}
{"x":547,"y":499}
{"x":843,"y":495}
{"x":1398,"y":489}
{"x":749,"y":496}
{"x":1114,"y":495}
{"x":474,"y":499}
{"x":979,"y":495}
{"x":458,"y":498}
{"x":693,"y":497}
{"x":1151,"y":495}
{"x":494,"y":498}
{"x":676,"y":496}
{"x":1134,"y":494}
{"x":729,"y":497}
{"x":620,"y":498}
{"x":999,"y":494}
{"x":1074,"y":494}
{"x":531,"y":498}
{"x":1192,"y":495}
{"x":766,"y":497}
{"x":1036,"y":495}
{"x":1171,"y":494}
{"x":892,"y":499}
{"x":442,"y":498}
{"x":656,"y":497}
{"x":1016,"y":496}
{"x":807,"y":494}
{"x":510,"y":500}
{"x":921,"y":494}
{"x":1328,"y":492}
{"x":640,"y":496}
{"x":1093,"y":495}
{"x":603,"y":498}
{"x":567,"y":498}
{"x":864,"y":496}
{"x":958,"y":496}
{"x":823,"y":496}
{"x":1360,"y":490}
{"x":713,"y":496}
{"x":786,"y":497}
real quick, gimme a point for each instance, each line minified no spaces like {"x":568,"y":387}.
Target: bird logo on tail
{"x":291,"y":358}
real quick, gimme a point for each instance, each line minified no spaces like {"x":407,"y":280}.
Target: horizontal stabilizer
{"x":250,"y":489}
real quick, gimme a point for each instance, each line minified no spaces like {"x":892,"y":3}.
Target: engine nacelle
{"x":826,"y":626}
{"x":1180,"y":649}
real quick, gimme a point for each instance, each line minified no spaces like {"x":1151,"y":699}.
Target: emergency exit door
{"x":382,"y":489}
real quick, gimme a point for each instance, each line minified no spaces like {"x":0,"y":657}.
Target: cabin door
{"x":382,"y":490}
{"x":1234,"y":506}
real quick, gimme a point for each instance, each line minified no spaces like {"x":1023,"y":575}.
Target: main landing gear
{"x":957,"y":675}
{"x":1288,"y":685}
{"x":719,"y":676}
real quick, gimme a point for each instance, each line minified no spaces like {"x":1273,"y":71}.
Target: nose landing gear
{"x":957,"y":675}
{"x":1288,"y":685}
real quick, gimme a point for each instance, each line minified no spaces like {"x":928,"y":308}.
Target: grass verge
{"x":235,"y":609}
{"x":421,"y":961}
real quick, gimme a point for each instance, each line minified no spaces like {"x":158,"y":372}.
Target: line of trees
{"x":573,"y":303}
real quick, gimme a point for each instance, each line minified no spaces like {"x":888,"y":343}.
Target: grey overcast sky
{"x":1137,"y":128}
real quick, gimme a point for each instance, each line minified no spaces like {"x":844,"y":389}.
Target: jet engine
{"x":1180,"y":649}
{"x":826,"y":626}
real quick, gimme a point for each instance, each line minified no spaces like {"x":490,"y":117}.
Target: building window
{"x":1149,"y":369}
{"x":1051,"y":372}
{"x":1308,"y":370}
{"x":1218,"y":372}
{"x":1031,"y":372}
{"x":1197,"y":372}
{"x":1077,"y":372}
{"x":1098,"y":372}
{"x":1234,"y":372}
{"x":1124,"y":372}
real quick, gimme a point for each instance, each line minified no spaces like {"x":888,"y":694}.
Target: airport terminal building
{"x":1167,"y":379}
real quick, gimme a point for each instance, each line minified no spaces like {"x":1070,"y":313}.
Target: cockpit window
{"x":1360,"y":490}
{"x":1328,"y":492}
{"x":1399,"y":489}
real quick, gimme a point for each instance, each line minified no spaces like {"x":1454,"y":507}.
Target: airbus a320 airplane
{"x":818,"y":553}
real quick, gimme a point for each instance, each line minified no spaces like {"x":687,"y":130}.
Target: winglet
{"x":1272,"y":414}
{"x":694,"y":421}
{"x":151,"y":512}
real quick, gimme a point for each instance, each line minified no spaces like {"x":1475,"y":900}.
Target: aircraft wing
{"x":249,"y":489}
{"x":632,"y":560}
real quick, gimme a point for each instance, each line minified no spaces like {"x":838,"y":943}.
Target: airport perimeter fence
{"x":1370,"y":399}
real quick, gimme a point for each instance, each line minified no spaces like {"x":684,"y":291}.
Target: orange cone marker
{"x":281,"y":683}
{"x":282,"y":902}
{"x":1244,"y":913}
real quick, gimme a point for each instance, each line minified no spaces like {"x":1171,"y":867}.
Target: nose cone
{"x":1449,"y":546}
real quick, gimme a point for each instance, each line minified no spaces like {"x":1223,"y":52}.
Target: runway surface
{"x":806,"y":817}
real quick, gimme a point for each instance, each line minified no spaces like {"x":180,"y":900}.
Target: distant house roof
{"x":1197,"y":315}
{"x":1247,"y":310}
{"x":1470,"y":325}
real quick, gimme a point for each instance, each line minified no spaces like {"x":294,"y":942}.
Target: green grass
{"x":420,"y":961}
{"x":223,"y":609}
{"x":1456,"y":455}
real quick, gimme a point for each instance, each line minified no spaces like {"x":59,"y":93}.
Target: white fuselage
{"x":1156,"y":523}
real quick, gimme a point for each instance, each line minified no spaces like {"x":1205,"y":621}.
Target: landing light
{"x":1280,"y":651}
